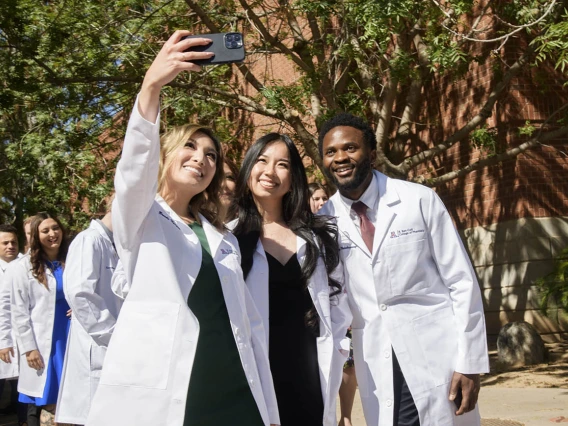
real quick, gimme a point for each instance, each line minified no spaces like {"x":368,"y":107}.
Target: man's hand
{"x":469,"y":385}
{"x":5,"y":355}
{"x":35,"y":360}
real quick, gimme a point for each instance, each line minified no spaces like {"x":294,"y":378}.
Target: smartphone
{"x":227,"y":47}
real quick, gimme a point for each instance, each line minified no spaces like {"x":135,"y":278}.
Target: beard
{"x":362,"y":171}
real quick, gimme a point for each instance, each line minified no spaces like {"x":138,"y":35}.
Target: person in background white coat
{"x":188,"y":346}
{"x":418,"y":326}
{"x":40,"y":317}
{"x":8,"y":253}
{"x":89,"y":268}
{"x":290,"y":259}
{"x":9,"y":368}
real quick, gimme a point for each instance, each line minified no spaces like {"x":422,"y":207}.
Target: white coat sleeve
{"x":20,"y":304}
{"x":340,"y":314}
{"x":80,"y":281}
{"x":260,"y":349}
{"x":119,"y":284}
{"x":5,"y":310}
{"x":457,"y":273}
{"x":136,"y":179}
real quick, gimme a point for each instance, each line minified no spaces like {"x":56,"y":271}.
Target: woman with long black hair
{"x":290,"y":259}
{"x":40,"y":316}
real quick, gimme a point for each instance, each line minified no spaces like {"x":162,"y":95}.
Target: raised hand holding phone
{"x":172,"y":59}
{"x":227,"y":48}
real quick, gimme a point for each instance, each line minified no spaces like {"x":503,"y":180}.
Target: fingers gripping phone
{"x":227,"y":47}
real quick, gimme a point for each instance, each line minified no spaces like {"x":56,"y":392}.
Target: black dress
{"x":293,"y":346}
{"x":218,"y":393}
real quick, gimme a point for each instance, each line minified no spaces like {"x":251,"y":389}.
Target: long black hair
{"x":319,"y":232}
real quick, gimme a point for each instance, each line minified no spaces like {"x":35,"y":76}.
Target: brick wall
{"x":535,"y":184}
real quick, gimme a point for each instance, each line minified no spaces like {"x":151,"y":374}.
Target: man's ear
{"x":373,"y":156}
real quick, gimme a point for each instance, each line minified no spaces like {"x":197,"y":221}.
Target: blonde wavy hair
{"x":207,"y":202}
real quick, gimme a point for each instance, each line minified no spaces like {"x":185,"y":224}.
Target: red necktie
{"x":367,"y":228}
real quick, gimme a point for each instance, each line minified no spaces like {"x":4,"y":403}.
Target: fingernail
{"x":452,"y":396}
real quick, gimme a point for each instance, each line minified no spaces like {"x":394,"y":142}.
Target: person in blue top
{"x":41,"y":317}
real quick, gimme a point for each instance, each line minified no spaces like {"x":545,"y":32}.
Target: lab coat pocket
{"x":364,"y":380}
{"x":436,"y":335}
{"x":141,"y":348}
{"x":404,"y":264}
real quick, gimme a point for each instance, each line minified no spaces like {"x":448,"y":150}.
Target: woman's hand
{"x":69,"y":312}
{"x":171,"y":60}
{"x":5,"y":355}
{"x":35,"y":360}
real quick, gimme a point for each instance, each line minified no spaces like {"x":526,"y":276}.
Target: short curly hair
{"x":348,"y":120}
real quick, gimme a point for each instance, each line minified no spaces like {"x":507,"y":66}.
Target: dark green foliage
{"x":554,"y":286}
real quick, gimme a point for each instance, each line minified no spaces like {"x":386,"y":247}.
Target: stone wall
{"x":509,"y":257}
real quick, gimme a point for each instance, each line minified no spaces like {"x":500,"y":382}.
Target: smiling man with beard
{"x":418,"y":326}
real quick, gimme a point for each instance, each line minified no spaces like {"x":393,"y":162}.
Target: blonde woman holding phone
{"x":188,"y":348}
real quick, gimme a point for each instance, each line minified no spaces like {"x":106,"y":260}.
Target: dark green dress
{"x":218,"y":393}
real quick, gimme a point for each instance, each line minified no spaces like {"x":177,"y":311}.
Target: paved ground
{"x":529,"y":406}
{"x":499,"y":407}
{"x":511,"y":407}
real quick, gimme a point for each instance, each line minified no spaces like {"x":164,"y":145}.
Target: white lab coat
{"x":119,"y":285}
{"x":7,"y":338}
{"x":33,"y":312}
{"x":417,"y":293}
{"x":335,"y":318}
{"x":147,"y":368}
{"x":86,"y":281}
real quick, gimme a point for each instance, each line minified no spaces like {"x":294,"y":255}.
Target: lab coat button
{"x":383,"y":307}
{"x":251,"y":381}
{"x":389,"y":403}
{"x":387,"y":354}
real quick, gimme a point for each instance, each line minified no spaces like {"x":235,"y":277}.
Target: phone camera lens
{"x":234,"y":45}
{"x":229,"y":37}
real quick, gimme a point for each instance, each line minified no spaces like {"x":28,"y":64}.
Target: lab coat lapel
{"x":301,"y":253}
{"x":214,"y":237}
{"x":388,"y":199}
{"x":259,"y":287}
{"x":180,"y":224}
{"x":348,"y":230}
{"x":51,"y":281}
{"x":194,"y":266}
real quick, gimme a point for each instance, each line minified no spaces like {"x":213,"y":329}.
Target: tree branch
{"x":511,"y":153}
{"x":504,"y":37}
{"x":271,"y":39}
{"x":309,"y":141}
{"x":480,"y":118}
{"x":254,"y":106}
{"x":413,"y":98}
{"x":382,"y":115}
